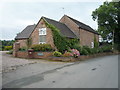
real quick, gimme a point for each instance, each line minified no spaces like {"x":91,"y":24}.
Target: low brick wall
{"x":25,"y":54}
{"x":42,"y":54}
{"x":22,"y":54}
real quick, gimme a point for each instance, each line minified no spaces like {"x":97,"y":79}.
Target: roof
{"x":82,"y":25}
{"x":65,"y":31}
{"x":26,"y":32}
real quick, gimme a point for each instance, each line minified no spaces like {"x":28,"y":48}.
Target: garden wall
{"x":25,"y":54}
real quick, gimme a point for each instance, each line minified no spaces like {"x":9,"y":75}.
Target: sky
{"x":16,"y":15}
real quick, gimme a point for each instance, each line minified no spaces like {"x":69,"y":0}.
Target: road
{"x":99,"y":72}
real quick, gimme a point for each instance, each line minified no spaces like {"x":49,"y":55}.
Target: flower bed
{"x":80,"y":58}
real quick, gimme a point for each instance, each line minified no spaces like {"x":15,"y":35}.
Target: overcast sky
{"x":15,"y":16}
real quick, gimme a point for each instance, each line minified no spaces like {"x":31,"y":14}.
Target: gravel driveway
{"x":8,"y":62}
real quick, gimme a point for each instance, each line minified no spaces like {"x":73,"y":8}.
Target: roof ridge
{"x":83,"y":25}
{"x":77,"y":20}
{"x":52,"y":20}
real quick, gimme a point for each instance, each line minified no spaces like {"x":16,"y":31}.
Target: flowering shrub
{"x":75,"y":53}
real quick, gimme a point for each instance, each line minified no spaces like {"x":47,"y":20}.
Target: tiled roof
{"x":65,"y":31}
{"x":82,"y":25}
{"x":26,"y":32}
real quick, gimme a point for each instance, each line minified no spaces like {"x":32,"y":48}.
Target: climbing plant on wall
{"x":61,"y":42}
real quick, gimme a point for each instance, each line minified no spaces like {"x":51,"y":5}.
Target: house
{"x":69,"y":28}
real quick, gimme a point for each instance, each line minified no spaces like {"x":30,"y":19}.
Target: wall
{"x":35,"y":34}
{"x":86,"y":37}
{"x":22,"y":42}
{"x":25,"y":54}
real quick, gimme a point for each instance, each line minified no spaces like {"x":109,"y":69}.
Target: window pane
{"x":42,"y":38}
{"x":42,"y":31}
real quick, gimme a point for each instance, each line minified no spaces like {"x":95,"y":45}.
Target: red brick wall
{"x":86,"y":37}
{"x":25,"y":54}
{"x":35,"y":34}
{"x":22,"y":42}
{"x":45,"y":54}
{"x":22,"y":54}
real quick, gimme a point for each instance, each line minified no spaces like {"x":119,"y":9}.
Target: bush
{"x":57,"y":54}
{"x":10,"y":52}
{"x":42,"y":47}
{"x":87,"y":49}
{"x":94,"y":50}
{"x":84,"y":52}
{"x":107,"y":48}
{"x":67,"y":54}
{"x":75,"y":53}
{"x":8,"y":48}
{"x":23,"y":48}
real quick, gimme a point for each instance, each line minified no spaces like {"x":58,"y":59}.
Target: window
{"x":92,"y":44}
{"x":42,"y":31}
{"x":42,"y":35}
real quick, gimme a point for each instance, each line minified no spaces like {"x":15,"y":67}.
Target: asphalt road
{"x":94,"y":73}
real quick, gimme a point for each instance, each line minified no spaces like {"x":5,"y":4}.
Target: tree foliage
{"x":108,"y":18}
{"x":4,"y":43}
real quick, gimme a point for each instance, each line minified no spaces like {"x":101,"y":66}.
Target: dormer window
{"x":42,"y":35}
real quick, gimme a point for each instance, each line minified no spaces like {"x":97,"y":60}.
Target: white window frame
{"x":42,"y":32}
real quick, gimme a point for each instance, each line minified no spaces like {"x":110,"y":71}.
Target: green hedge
{"x":8,"y":48}
{"x":85,"y":50}
{"x":42,"y":47}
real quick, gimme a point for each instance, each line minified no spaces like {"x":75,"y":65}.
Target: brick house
{"x":69,"y":28}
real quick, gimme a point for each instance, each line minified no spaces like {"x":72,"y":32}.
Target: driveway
{"x":94,"y":73}
{"x":8,"y":62}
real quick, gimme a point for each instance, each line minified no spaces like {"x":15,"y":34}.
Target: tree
{"x":108,"y":16}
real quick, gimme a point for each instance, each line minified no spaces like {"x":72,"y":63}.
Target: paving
{"x":99,"y":72}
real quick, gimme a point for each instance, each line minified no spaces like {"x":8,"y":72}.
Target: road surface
{"x":99,"y":72}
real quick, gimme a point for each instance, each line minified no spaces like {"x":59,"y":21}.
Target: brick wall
{"x":86,"y":37}
{"x":22,"y":42}
{"x":25,"y":54}
{"x":35,"y":34}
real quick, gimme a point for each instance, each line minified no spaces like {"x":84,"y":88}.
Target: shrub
{"x":23,"y":48}
{"x":67,"y":54}
{"x":87,"y":49}
{"x":10,"y":52}
{"x":84,"y":52}
{"x":42,"y":47}
{"x":57,"y":54}
{"x":107,"y":48}
{"x":75,"y":53}
{"x":8,"y":48}
{"x":94,"y":50}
